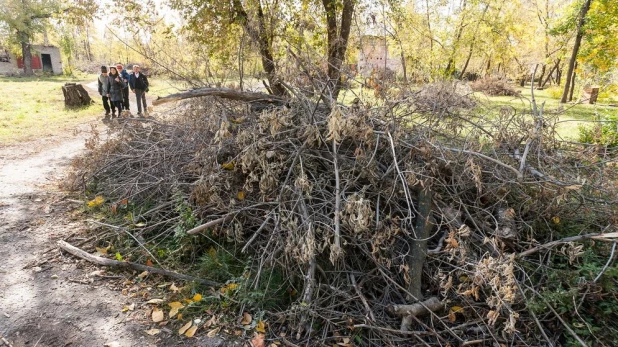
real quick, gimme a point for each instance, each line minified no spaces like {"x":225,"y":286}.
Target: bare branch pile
{"x":402,"y":224}
{"x":494,"y":86}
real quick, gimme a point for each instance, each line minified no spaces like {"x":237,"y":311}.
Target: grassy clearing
{"x":570,"y":116}
{"x":33,"y":107}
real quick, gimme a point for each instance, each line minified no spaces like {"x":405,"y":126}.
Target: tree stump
{"x":75,"y":95}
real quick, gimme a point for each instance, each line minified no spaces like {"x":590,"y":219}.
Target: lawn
{"x":33,"y":107}
{"x":570,"y":116}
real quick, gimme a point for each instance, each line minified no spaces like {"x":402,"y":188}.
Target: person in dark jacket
{"x":115,"y":90}
{"x":125,"y":92}
{"x":139,"y":85}
{"x":104,"y":90}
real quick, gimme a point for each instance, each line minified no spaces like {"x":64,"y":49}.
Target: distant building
{"x":44,"y":59}
{"x":373,"y":57}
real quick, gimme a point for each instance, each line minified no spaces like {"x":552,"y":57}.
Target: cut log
{"x":75,"y":95}
{"x":225,"y":93}
{"x":126,"y":264}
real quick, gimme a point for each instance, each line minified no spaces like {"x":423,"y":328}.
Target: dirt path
{"x":49,"y":298}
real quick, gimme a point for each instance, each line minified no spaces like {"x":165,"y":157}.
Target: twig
{"x":337,"y":203}
{"x":210,"y":224}
{"x":226,"y":93}
{"x":362,"y":297}
{"x":125,"y":264}
{"x":611,"y":257}
{"x":5,"y":341}
{"x":432,"y":304}
{"x":608,"y":237}
{"x":255,"y":235}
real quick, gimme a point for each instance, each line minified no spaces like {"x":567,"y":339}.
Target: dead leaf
{"x":241,"y":195}
{"x":184,"y":328}
{"x":246,"y":319}
{"x":152,"y":332}
{"x":102,"y":250}
{"x":258,"y":341}
{"x":128,"y":307}
{"x":173,"y":288}
{"x":191,"y":331}
{"x":149,"y":263}
{"x":228,"y":166}
{"x":210,"y":322}
{"x":98,"y":200}
{"x":260,"y":327}
{"x":197,"y":297}
{"x":112,"y":344}
{"x":155,"y":301}
{"x":213,"y":332}
{"x":142,"y":275}
{"x":157,"y":315}
{"x":175,"y":307}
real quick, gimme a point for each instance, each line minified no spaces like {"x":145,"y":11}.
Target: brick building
{"x":44,"y":59}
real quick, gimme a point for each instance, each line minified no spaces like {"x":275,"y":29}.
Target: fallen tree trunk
{"x":225,"y":93}
{"x":126,"y":264}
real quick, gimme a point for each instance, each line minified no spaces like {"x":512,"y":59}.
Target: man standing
{"x":139,"y":85}
{"x":125,"y":92}
{"x":104,"y":90}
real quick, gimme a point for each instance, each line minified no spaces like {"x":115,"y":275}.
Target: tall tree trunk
{"x":261,"y":36}
{"x":26,"y":53}
{"x":542,"y":75}
{"x":450,"y":67}
{"x":337,"y":37}
{"x":550,"y":73}
{"x":573,"y":83}
{"x":581,"y":20}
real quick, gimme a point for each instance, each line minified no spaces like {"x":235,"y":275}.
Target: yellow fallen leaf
{"x":246,"y":319}
{"x":157,"y":315}
{"x":457,"y":309}
{"x":179,"y":317}
{"x":128,"y":308}
{"x":191,"y":331}
{"x":228,"y":166}
{"x":175,"y":307}
{"x":98,"y":200}
{"x":197,"y":297}
{"x":152,"y":332}
{"x":212,"y":253}
{"x":556,"y":220}
{"x":184,"y":328}
{"x":260,"y":327}
{"x":155,"y":301}
{"x":188,"y":301}
{"x":213,"y":332}
{"x":241,"y":195}
{"x":102,"y":250}
{"x":228,"y":288}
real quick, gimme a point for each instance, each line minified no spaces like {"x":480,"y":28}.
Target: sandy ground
{"x":47,"y":297}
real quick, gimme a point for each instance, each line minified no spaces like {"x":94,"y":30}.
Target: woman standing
{"x":116,"y":84}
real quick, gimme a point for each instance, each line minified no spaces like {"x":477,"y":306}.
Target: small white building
{"x":44,"y":59}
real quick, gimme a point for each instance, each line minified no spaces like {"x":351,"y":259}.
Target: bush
{"x":604,"y":134}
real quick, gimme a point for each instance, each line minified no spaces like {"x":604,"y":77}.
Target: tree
{"x":581,"y":21}
{"x":26,"y":18}
{"x":209,"y":21}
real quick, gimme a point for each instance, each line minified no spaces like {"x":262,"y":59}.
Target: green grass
{"x":570,"y":116}
{"x":33,"y":107}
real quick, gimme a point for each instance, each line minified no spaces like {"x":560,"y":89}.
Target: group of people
{"x":114,"y":88}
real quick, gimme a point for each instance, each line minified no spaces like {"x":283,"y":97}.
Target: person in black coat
{"x":116,"y":84}
{"x":103,"y":82}
{"x":139,"y":85}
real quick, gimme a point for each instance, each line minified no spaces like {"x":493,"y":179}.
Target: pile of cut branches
{"x":494,"y":86}
{"x":395,"y":225}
